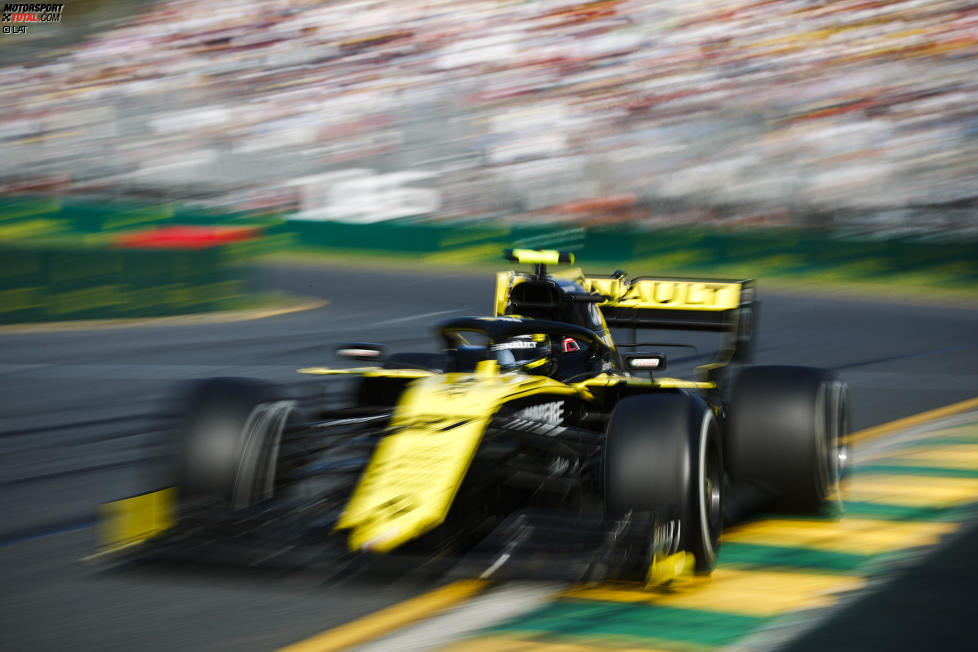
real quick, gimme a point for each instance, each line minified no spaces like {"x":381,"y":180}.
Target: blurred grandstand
{"x":853,"y":113}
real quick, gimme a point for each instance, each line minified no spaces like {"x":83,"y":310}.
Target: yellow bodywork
{"x":610,"y":380}
{"x":667,"y":294}
{"x":642,"y":294}
{"x":129,"y":522}
{"x":410,"y":482}
{"x":540,"y":256}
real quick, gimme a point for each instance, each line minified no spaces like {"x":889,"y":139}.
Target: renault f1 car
{"x":531,"y":430}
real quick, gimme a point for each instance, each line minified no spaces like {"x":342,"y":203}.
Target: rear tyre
{"x":226,"y":449}
{"x":663,"y":455}
{"x":786,"y":437}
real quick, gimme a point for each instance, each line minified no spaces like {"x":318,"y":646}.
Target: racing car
{"x":531,"y":430}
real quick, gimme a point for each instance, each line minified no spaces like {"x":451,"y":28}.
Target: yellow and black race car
{"x":531,"y":434}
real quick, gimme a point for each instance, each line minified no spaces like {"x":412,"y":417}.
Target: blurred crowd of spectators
{"x":559,"y":108}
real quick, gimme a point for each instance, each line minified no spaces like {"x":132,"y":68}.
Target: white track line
{"x":423,"y":315}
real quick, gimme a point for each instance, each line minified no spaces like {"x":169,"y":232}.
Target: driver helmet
{"x":530,"y":353}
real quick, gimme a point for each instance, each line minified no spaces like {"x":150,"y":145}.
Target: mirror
{"x":639,"y":362}
{"x":363,"y":351}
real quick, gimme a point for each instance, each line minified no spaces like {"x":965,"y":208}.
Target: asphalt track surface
{"x":80,"y":414}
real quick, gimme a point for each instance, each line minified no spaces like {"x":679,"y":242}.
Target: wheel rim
{"x":834,"y":440}
{"x":841,"y":456}
{"x":710,"y":490}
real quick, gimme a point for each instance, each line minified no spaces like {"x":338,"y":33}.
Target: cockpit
{"x":533,"y":346}
{"x":555,"y":300}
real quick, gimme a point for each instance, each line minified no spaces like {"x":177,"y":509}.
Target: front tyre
{"x":663,"y":456}
{"x":227,"y":445}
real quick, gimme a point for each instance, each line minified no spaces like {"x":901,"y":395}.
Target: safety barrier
{"x":55,"y":282}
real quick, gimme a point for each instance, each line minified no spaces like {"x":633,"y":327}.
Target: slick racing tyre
{"x":228,"y":442}
{"x":663,"y":456}
{"x":786,"y":437}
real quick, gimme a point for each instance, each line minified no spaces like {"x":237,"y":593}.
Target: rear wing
{"x":722,"y":305}
{"x":663,"y":302}
{"x":682,"y":304}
